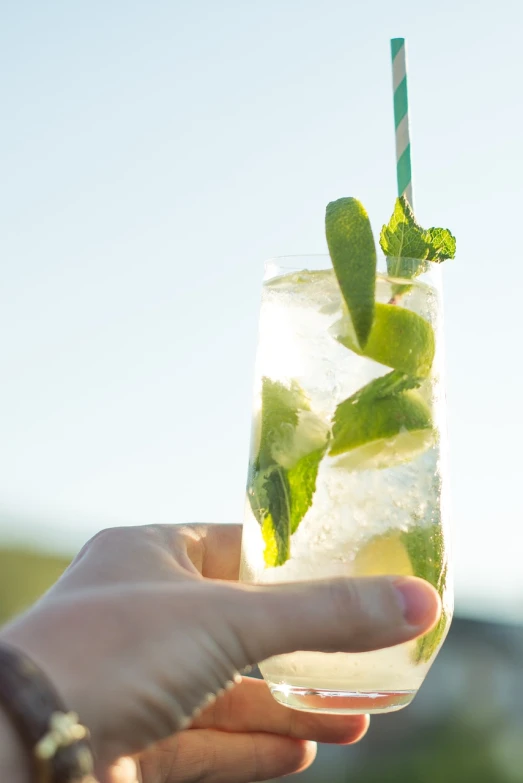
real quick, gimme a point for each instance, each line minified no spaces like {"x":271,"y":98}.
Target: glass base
{"x":341,"y":702}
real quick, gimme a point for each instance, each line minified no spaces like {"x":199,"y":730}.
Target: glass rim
{"x":276,"y":265}
{"x":380,"y":256}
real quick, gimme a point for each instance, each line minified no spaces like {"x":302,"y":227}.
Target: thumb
{"x":338,"y":615}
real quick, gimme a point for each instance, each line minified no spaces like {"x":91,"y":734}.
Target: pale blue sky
{"x":154,"y":153}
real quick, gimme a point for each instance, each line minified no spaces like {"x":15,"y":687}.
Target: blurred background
{"x":153,"y":155}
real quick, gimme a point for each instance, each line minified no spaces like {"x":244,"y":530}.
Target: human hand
{"x":136,"y":641}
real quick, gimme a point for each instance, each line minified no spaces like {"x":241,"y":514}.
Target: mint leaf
{"x":407,"y":245}
{"x":403,"y":237}
{"x":442,"y":244}
{"x":257,"y":491}
{"x":357,"y":420}
{"x":282,"y":476}
{"x":427,"y":645}
{"x":276,"y":528}
{"x":279,"y":500}
{"x":279,"y":418}
{"x":277,"y":546}
{"x":302,"y":483}
{"x":388,"y":385}
{"x":382,"y":425}
{"x":269,"y":495}
{"x":426,"y":549}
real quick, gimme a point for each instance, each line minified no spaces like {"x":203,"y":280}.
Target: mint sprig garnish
{"x":405,"y":242}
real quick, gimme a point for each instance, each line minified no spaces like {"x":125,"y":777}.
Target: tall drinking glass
{"x":379,"y":507}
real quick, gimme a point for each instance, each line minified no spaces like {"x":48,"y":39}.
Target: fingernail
{"x":418,"y":601}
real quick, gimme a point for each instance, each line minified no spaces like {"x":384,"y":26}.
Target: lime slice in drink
{"x":383,"y":555}
{"x":353,"y":254}
{"x":416,"y":552}
{"x":371,"y":433}
{"x":399,"y":339}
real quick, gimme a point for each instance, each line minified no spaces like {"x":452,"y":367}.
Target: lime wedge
{"x":384,"y":555}
{"x":353,"y":255}
{"x":372,"y":433}
{"x":417,"y":552}
{"x":399,"y":338}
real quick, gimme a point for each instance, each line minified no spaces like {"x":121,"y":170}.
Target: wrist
{"x":39,"y":738}
{"x":34,"y":634}
{"x":14,"y":765}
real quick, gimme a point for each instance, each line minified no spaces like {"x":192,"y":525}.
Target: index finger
{"x":250,"y":707}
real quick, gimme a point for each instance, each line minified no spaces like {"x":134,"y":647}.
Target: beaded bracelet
{"x":57,"y":743}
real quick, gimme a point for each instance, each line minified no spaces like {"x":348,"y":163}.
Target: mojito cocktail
{"x":347,"y":472}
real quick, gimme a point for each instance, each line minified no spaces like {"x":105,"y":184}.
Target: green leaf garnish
{"x":388,"y":385}
{"x":276,"y":515}
{"x":281,"y":406}
{"x":384,"y":424}
{"x":405,"y":242}
{"x":442,"y":244}
{"x":353,"y":254}
{"x":282,"y":476}
{"x":426,"y":549}
{"x":280,"y":499}
{"x":302,"y":483}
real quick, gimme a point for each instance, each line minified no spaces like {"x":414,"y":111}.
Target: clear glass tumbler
{"x":378,"y":508}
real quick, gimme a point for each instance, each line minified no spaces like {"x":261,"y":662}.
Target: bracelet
{"x":58,"y":745}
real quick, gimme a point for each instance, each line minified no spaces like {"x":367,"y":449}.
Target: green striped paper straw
{"x":401,"y":118}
